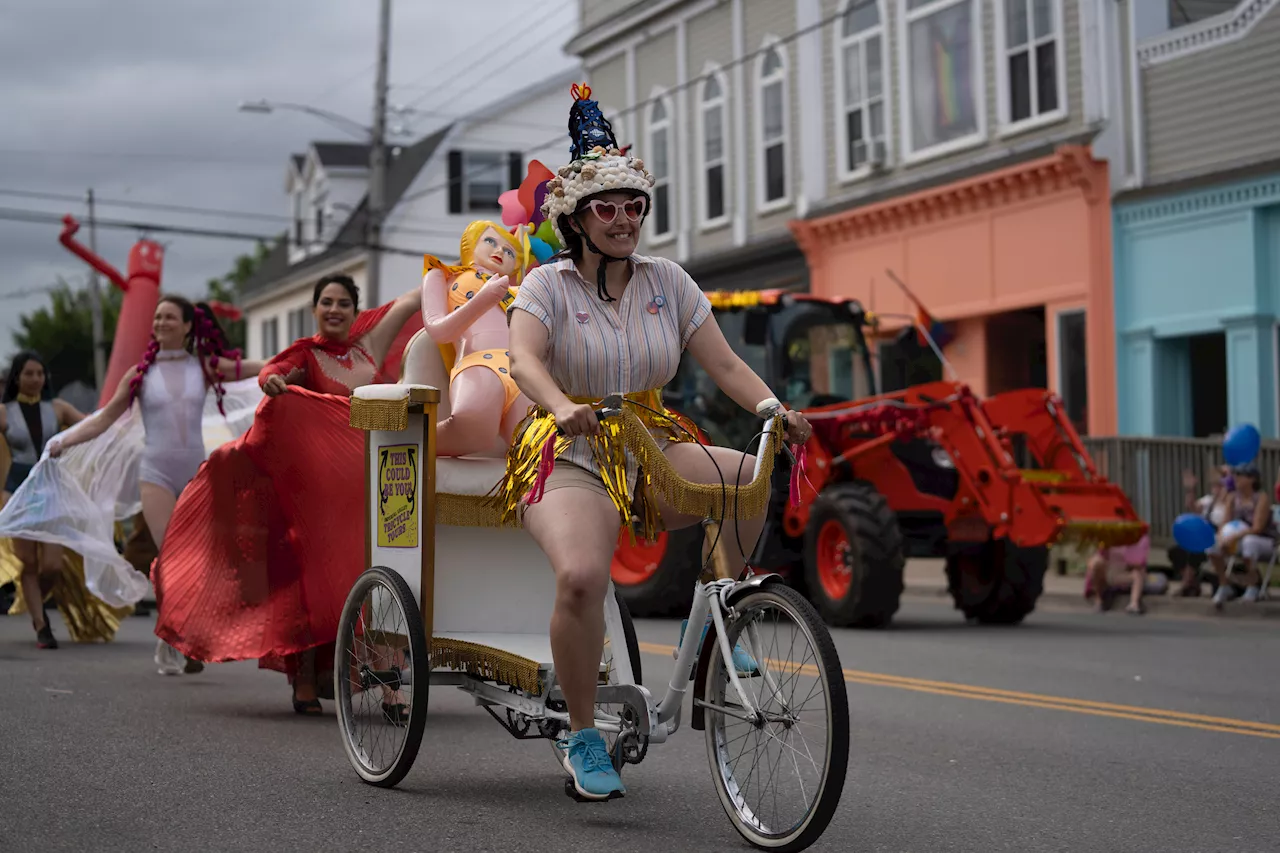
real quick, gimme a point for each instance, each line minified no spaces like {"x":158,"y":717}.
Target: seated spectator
{"x":1213,"y":507}
{"x":1119,"y":569}
{"x":1252,"y":539}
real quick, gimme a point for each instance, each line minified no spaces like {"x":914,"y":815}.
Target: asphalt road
{"x":1113,"y":733}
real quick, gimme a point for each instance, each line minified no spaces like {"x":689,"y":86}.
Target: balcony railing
{"x":1150,"y":471}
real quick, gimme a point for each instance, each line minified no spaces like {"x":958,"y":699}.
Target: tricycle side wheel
{"x":381,"y":667}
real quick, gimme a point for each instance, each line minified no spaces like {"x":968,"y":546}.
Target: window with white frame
{"x":942,"y":95}
{"x":298,"y":323}
{"x":771,"y":125}
{"x":659,"y":162}
{"x":1073,"y":367}
{"x":270,"y":330}
{"x":298,"y":239}
{"x":1030,"y":61}
{"x":860,"y":63}
{"x":477,"y":178}
{"x":321,"y":212}
{"x":711,"y":124}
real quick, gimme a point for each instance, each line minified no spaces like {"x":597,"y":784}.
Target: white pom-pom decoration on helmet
{"x":602,"y":170}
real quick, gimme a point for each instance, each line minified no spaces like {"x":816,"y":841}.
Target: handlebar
{"x":611,"y":406}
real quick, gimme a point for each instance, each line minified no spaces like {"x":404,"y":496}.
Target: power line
{"x":205,"y":211}
{"x":40,"y":217}
{"x":688,"y":84}
{"x":131,"y":155}
{"x":520,"y":35}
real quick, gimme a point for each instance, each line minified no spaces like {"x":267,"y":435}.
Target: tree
{"x":227,"y":289}
{"x":62,"y":333}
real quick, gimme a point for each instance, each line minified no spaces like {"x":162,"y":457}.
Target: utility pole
{"x":95,"y":303}
{"x":378,"y":161}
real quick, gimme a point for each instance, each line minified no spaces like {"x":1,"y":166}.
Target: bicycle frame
{"x":657,"y":721}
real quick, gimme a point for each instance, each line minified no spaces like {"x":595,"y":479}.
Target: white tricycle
{"x":450,"y":598}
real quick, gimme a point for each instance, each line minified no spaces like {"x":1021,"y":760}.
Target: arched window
{"x":658,"y":160}
{"x":860,"y":90}
{"x":712,"y":150}
{"x":772,"y":124}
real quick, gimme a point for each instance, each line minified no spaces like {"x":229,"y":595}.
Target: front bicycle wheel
{"x":778,"y":766}
{"x":382,"y":677}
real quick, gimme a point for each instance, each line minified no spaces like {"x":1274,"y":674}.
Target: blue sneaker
{"x":586,"y":759}
{"x":744,"y":663}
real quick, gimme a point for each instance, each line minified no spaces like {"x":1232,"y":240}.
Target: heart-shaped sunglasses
{"x":607,"y":211}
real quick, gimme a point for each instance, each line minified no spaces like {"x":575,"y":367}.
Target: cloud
{"x":137,"y":99}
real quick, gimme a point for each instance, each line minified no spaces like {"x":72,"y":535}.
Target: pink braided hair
{"x":206,"y":341}
{"x":211,"y":344}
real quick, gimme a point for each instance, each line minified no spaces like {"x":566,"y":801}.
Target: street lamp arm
{"x":264,"y":106}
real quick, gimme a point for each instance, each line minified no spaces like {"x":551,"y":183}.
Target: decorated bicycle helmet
{"x":599,"y":165}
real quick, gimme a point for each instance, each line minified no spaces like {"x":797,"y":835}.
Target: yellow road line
{"x":1035,"y":700}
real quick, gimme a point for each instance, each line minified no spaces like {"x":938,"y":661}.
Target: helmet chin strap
{"x":602,"y":291}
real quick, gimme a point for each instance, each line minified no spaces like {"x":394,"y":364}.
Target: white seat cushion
{"x":469,"y":475}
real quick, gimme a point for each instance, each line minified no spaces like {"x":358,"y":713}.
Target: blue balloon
{"x":541,"y":250}
{"x":1241,"y":444}
{"x":1193,"y":533}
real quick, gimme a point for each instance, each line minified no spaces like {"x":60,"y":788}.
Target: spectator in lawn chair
{"x":1213,"y":507}
{"x":1117,"y":570}
{"x":1249,"y":535}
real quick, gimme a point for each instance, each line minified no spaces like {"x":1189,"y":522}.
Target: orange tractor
{"x":927,"y":471}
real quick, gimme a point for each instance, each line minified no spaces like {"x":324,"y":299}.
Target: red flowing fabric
{"x":268,"y":539}
{"x":265,"y":542}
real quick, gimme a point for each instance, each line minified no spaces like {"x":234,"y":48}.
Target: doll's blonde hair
{"x":471,"y":236}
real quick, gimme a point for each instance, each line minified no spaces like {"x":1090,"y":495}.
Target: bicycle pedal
{"x":572,"y":790}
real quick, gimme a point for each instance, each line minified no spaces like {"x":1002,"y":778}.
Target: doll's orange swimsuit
{"x":465,"y":286}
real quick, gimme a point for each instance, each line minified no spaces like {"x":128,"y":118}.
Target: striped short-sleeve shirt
{"x":596,"y":348}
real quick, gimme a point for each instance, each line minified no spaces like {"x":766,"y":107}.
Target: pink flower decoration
{"x":513,"y":212}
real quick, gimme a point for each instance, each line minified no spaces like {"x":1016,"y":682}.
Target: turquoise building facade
{"x":1197,"y":289}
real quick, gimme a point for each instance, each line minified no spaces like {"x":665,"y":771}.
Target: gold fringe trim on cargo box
{"x":468,"y":511}
{"x":389,"y":415}
{"x":487,"y":663}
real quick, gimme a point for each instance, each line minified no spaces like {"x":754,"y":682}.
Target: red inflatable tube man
{"x":141,"y":286}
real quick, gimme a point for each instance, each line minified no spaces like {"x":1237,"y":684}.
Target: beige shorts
{"x":567,"y":475}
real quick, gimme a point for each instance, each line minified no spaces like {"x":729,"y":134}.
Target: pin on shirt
{"x":582,"y":316}
{"x":657,"y":303}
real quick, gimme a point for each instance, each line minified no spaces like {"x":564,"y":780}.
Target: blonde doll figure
{"x":464,"y":313}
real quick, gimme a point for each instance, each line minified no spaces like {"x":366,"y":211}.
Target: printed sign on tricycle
{"x":398,"y":496}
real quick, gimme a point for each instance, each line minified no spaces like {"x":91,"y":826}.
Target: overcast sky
{"x":137,"y":99}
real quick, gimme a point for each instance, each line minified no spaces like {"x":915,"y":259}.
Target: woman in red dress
{"x":265,"y":543}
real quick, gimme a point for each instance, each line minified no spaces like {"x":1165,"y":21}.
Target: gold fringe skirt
{"x":642,"y":426}
{"x":88,"y":619}
{"x":613,"y":464}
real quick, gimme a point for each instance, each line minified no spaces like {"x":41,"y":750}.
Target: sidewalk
{"x":928,"y":579}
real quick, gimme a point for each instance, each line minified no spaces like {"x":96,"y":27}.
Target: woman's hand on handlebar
{"x":798,"y":429}
{"x":574,"y":419}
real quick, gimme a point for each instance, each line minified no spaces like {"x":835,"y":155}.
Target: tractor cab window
{"x":809,"y":355}
{"x":823,"y":363}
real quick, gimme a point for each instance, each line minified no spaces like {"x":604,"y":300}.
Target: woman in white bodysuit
{"x":188,"y":355}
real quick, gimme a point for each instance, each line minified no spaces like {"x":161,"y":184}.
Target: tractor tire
{"x":657,"y":579}
{"x":996,"y":583}
{"x":853,"y":556}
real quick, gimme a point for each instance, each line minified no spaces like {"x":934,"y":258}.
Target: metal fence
{"x":1150,"y":472}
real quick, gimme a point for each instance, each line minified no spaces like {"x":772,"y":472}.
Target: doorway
{"x":1208,"y":366}
{"x":1017,"y":354}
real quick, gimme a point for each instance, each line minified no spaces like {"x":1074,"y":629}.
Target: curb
{"x":1157,"y":605}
